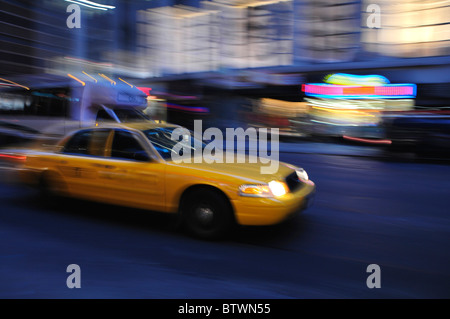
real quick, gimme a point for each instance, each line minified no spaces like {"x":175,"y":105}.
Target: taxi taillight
{"x":19,"y":158}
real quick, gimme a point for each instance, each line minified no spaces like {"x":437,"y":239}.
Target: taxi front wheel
{"x":207,"y":214}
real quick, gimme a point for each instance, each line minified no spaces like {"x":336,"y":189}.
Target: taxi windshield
{"x":164,"y":140}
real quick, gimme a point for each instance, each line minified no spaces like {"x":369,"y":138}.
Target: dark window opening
{"x":78,"y":144}
{"x":125,"y":146}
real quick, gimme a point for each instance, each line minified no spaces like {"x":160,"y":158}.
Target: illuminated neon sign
{"x":359,"y":80}
{"x":386,"y":91}
{"x":350,"y":86}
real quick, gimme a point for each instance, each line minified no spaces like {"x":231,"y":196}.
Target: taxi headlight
{"x":273,"y":188}
{"x":278,"y":188}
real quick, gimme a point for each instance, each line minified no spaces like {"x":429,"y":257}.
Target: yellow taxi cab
{"x":131,"y":165}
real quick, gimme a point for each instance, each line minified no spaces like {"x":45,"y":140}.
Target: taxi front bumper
{"x":270,"y":211}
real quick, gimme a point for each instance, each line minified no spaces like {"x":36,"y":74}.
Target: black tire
{"x":207,"y":214}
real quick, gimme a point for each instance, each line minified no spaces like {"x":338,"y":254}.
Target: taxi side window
{"x":125,"y":146}
{"x":78,"y":144}
{"x":88,"y":142}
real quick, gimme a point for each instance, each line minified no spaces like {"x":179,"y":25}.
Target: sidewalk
{"x":305,"y":146}
{"x":331,"y":149}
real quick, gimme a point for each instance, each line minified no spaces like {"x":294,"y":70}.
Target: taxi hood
{"x":253,"y":169}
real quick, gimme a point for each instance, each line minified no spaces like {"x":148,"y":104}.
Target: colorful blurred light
{"x":76,"y":79}
{"x":352,"y":79}
{"x":91,"y":4}
{"x":14,"y":83}
{"x":196,"y":109}
{"x":386,"y":91}
{"x":146,"y":90}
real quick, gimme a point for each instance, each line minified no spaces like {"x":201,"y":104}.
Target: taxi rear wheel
{"x":51,"y":186}
{"x":207,"y":214}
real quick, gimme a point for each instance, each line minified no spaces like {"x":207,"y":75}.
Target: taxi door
{"x":82,"y":157}
{"x":132,"y":177}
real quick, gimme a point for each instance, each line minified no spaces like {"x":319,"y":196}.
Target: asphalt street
{"x":367,"y":211}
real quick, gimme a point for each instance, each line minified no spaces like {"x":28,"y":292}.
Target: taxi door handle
{"x":104,"y":166}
